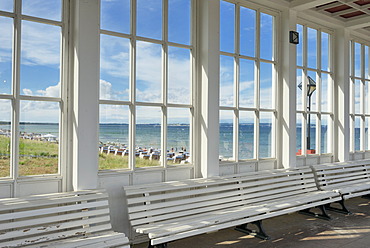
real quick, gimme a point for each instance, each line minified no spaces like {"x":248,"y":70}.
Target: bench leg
{"x":342,"y":210}
{"x":259,"y":234}
{"x":366,"y":197}
{"x":164,"y":245}
{"x":324,"y":215}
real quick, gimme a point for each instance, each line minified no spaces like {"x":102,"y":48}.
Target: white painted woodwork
{"x":172,"y":210}
{"x":357,"y":23}
{"x":208,"y":79}
{"x":288,"y":91}
{"x":342,"y":96}
{"x":85,"y":112}
{"x":304,"y":4}
{"x":351,"y":178}
{"x":70,"y":219}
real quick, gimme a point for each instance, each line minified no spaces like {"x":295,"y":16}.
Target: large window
{"x":31,"y":87}
{"x":146,"y":83}
{"x":247,"y":83}
{"x":314,"y":91}
{"x":360,"y":90}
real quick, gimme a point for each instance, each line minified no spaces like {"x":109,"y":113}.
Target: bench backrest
{"x":337,"y":175}
{"x":164,"y":201}
{"x":42,"y":218}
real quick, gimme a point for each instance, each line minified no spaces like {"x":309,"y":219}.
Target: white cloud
{"x":39,"y":111}
{"x":148,"y":72}
{"x":27,"y":92}
{"x":51,"y":91}
{"x":40,"y":44}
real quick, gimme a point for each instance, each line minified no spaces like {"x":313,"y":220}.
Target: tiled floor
{"x":295,"y":230}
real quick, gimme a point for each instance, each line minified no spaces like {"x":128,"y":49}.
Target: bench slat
{"x":55,"y":227}
{"x":206,"y":190}
{"x":52,"y":236}
{"x":42,"y":211}
{"x":109,"y":239}
{"x":219,"y":217}
{"x":191,"y":183}
{"x":51,"y":219}
{"x":220,"y":226}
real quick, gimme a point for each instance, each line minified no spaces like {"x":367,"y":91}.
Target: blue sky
{"x":40,"y":57}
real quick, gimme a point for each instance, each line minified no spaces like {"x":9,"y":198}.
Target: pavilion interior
{"x":228,"y":72}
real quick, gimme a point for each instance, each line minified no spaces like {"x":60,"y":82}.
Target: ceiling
{"x":354,"y":14}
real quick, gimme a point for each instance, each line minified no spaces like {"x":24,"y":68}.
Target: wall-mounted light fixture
{"x":294,"y":37}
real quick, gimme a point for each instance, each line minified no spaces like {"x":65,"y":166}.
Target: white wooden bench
{"x":173,"y":210}
{"x":71,"y":219}
{"x":350,"y":179}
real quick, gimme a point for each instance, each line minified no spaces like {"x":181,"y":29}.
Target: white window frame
{"x":15,"y":96}
{"x":164,"y":105}
{"x":362,"y":115}
{"x":257,"y":110}
{"x":319,"y":72}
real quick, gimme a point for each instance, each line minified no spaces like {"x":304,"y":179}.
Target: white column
{"x":208,"y":81}
{"x":341,"y":58}
{"x":287,"y":91}
{"x":85,"y":111}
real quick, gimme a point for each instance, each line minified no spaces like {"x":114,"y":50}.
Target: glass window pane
{"x":266,"y":83}
{"x":179,"y":77}
{"x":325,"y":121}
{"x":227,"y":26}
{"x":148,"y":135}
{"x":179,"y":13}
{"x":149,"y":19}
{"x":247,"y":31}
{"x":367,"y":133}
{"x":226,"y":148}
{"x":51,"y":9}
{"x":247,"y":83}
{"x":40,"y":59}
{"x":299,"y":130}
{"x":357,"y":96}
{"x":325,"y":92}
{"x":357,"y":71}
{"x":325,"y":51}
{"x":246,"y":135}
{"x":366,"y":97}
{"x":265,"y":135}
{"x":267,"y":34}
{"x":114,"y":68}
{"x":300,"y":45}
{"x":311,"y":134}
{"x":226,"y":81}
{"x":5,"y":127}
{"x":300,"y":77}
{"x":113,"y":137}
{"x":312,"y":48}
{"x":367,"y":75}
{"x":115,"y":16}
{"x":6,"y":5}
{"x":313,"y":97}
{"x":357,"y":133}
{"x":178,"y":136}
{"x":148,"y":72}
{"x":39,"y":138}
{"x":6,"y":50}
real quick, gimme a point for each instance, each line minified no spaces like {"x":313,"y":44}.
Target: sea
{"x":149,"y":135}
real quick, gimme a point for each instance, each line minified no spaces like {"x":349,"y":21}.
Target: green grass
{"x":42,"y":158}
{"x":109,"y":161}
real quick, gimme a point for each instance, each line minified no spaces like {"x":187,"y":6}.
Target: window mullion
{"x":164,"y":84}
{"x":132,"y":117}
{"x":16,"y":93}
